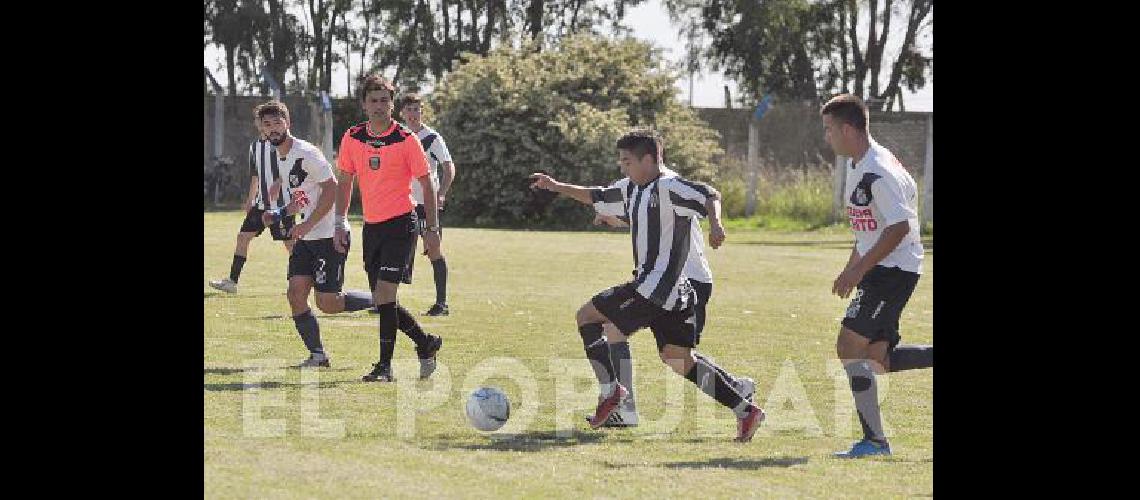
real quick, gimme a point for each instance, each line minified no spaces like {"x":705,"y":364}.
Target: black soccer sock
{"x":866,"y":393}
{"x":912,"y":357}
{"x":727,"y":376}
{"x":409,"y":325}
{"x":439,"y":266}
{"x":706,"y":376}
{"x":623,"y":367}
{"x":388,"y":322}
{"x":310,"y":331}
{"x":235,"y":267}
{"x":355,"y":301}
{"x":598,"y":353}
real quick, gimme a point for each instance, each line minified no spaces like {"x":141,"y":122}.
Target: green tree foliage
{"x":517,"y":111}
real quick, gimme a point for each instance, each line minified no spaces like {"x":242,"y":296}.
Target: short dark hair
{"x":271,"y":108}
{"x":372,"y":82}
{"x":641,"y":142}
{"x":411,"y":98}
{"x":849,"y":109}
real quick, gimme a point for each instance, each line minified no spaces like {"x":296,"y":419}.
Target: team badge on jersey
{"x":861,"y":195}
{"x":374,"y":162}
{"x":297,"y":174}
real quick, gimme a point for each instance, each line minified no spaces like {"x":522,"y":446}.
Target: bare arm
{"x":343,"y":193}
{"x":716,"y":229}
{"x":579,"y":193}
{"x":858,"y":266}
{"x":888,"y":241}
{"x":252,"y":192}
{"x":447,"y":176}
{"x":430,"y":203}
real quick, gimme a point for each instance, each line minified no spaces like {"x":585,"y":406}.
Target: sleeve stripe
{"x":699,"y":187}
{"x":687,"y":203}
{"x":606,"y":195}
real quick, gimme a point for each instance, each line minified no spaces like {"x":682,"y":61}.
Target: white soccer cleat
{"x":224,"y":285}
{"x":746,"y":387}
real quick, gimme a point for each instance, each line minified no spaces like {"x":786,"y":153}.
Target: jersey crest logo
{"x":297,"y":174}
{"x":374,"y":162}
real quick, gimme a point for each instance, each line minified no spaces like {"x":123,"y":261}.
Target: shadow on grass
{"x":727,"y":463}
{"x":531,"y":441}
{"x":240,"y":386}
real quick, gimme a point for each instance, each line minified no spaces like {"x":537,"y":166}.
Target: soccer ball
{"x":488,"y":409}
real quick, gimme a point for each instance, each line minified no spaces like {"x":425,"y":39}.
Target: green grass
{"x":513,"y":294}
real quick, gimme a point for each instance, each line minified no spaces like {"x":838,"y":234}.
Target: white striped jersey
{"x":661,"y":217}
{"x":435,"y":150}
{"x":697,"y":267}
{"x":263,"y":165}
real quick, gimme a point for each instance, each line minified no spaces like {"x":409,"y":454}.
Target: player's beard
{"x":279,"y":140}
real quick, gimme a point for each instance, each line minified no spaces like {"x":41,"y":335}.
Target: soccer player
{"x":659,"y":297}
{"x":315,"y":261}
{"x":264,"y":193}
{"x":700,"y":278}
{"x":385,"y":156}
{"x":884,"y":265}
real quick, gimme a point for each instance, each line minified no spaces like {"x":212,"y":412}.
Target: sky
{"x":650,"y":21}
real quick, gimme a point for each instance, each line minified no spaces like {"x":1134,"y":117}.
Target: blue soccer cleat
{"x":865,"y":448}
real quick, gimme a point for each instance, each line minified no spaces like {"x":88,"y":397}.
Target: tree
{"x":227,"y":28}
{"x":516,"y":111}
{"x":800,"y":49}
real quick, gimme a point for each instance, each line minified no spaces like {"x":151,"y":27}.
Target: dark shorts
{"x":704,"y":293}
{"x":879,"y":300}
{"x":629,"y":312}
{"x":252,"y":224}
{"x":386,"y":248}
{"x":319,"y":259}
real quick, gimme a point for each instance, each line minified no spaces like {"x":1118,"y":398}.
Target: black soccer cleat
{"x":379,"y":373}
{"x":437,"y":310}
{"x":427,"y":355}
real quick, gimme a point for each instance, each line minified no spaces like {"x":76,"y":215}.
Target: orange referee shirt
{"x":384,"y":164}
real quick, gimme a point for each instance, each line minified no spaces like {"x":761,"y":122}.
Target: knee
{"x":678,"y":358}
{"x":585,"y":314}
{"x":328,"y":303}
{"x":297,"y":296}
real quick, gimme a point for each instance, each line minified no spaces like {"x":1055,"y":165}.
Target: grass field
{"x":286,"y":433}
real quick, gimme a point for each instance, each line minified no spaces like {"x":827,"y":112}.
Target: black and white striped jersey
{"x":661,"y":221}
{"x":263,"y":164}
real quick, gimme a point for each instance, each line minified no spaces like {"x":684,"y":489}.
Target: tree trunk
{"x":367,"y":35}
{"x":875,"y":59}
{"x":918,"y":11}
{"x":845,"y":74}
{"x":872,"y":34}
{"x":230,"y":77}
{"x":856,"y":55}
{"x":534,"y":18}
{"x":408,"y":38}
{"x":574,"y":18}
{"x":489,"y":27}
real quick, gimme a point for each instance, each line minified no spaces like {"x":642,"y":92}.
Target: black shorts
{"x":253,"y":224}
{"x":704,"y":293}
{"x":874,"y":312}
{"x":629,"y":312}
{"x":386,"y":248}
{"x":319,"y":259}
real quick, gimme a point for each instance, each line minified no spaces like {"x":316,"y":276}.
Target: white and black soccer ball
{"x":488,"y":409}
